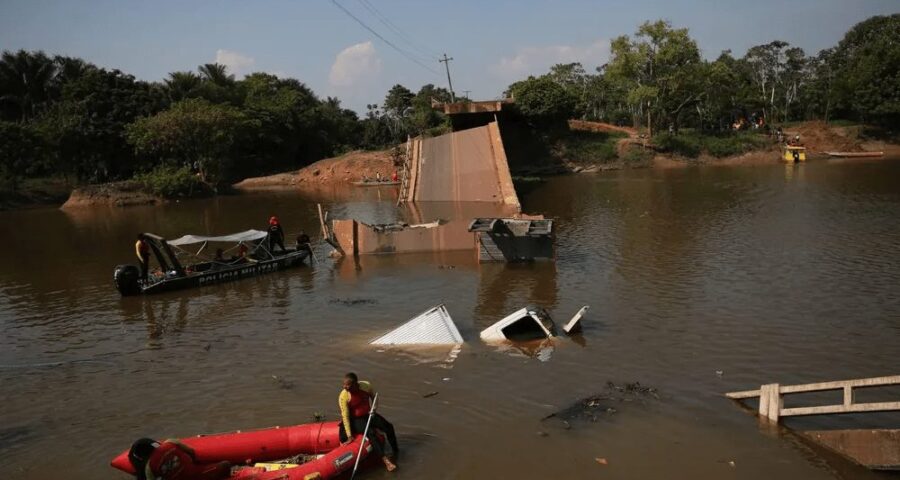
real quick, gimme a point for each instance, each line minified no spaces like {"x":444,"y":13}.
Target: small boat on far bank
{"x":376,"y":183}
{"x":854,"y":154}
{"x":172,"y":275}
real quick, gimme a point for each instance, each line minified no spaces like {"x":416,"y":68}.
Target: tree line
{"x":64,"y":116}
{"x":657,"y":79}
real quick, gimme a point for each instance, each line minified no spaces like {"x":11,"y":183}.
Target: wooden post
{"x":848,"y":395}
{"x":770,"y":402}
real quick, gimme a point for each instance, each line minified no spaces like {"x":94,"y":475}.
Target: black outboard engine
{"x":126,"y":278}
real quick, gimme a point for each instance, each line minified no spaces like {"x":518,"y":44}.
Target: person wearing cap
{"x":276,"y":234}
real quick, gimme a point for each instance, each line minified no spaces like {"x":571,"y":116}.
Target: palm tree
{"x":70,"y":69}
{"x":216,"y":73}
{"x":26,"y":82}
{"x":182,"y":85}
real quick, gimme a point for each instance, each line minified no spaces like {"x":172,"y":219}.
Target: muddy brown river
{"x":700,"y":281}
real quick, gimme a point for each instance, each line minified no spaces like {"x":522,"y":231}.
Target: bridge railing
{"x":771,"y":397}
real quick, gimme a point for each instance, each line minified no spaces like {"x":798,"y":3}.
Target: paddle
{"x":365,"y":437}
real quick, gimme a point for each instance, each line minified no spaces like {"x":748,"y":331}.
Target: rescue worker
{"x":354,"y":404}
{"x":303,"y":242}
{"x":142,"y":249}
{"x":276,"y":234}
{"x":172,"y":460}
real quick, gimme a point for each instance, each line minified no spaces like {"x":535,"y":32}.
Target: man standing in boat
{"x":276,"y":234}
{"x":142,"y":249}
{"x":354,"y":402}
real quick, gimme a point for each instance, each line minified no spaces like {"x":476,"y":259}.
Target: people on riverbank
{"x":354,"y":402}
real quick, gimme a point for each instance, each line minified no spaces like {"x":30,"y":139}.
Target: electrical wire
{"x":388,"y":42}
{"x":429,"y":54}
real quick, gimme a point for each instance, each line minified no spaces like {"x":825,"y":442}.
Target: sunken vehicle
{"x":174,"y":275}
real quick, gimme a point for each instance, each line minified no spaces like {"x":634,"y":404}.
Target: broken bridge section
{"x":465,"y":166}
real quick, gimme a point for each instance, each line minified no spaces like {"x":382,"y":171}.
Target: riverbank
{"x":585,"y":148}
{"x":344,"y":169}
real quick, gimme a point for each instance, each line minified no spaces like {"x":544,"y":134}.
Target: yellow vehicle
{"x":793,"y":153}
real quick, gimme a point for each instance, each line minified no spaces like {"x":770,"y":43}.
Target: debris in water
{"x":446,"y":379}
{"x":350,"y":302}
{"x":207,"y":346}
{"x":731,"y":463}
{"x":543,"y":434}
{"x":720,"y":372}
{"x":432,"y":327}
{"x":429,"y":394}
{"x":595,"y":406}
{"x":282,"y":383}
{"x":601,"y":461}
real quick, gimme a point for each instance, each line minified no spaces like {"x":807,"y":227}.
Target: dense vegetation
{"x":62,"y":116}
{"x":657,"y":79}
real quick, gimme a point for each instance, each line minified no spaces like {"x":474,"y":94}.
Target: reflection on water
{"x":766,"y":274}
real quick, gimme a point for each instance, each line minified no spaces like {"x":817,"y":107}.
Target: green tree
{"x":183,"y":85}
{"x":26,"y":83}
{"x":192,"y":130}
{"x":21,"y":150}
{"x":866,"y":66}
{"x":660,"y":69}
{"x":542,"y":100}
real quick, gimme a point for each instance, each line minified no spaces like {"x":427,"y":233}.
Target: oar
{"x":365,"y":437}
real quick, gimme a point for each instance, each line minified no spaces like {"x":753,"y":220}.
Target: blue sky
{"x":492,"y":42}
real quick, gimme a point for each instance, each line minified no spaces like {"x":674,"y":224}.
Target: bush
{"x":171,"y":182}
{"x":684,"y":145}
{"x":636,"y":155}
{"x":589,"y":147}
{"x":691,"y":144}
{"x":732,"y":145}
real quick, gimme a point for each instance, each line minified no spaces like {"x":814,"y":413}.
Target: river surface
{"x":700,"y":281}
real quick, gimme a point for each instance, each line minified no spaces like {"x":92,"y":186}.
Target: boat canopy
{"x":246,"y":236}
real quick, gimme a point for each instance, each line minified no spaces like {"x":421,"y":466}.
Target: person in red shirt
{"x":354,"y":404}
{"x":395,"y":177}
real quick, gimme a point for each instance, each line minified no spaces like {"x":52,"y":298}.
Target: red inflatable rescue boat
{"x":252,"y":451}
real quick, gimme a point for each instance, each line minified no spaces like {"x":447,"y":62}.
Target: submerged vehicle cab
{"x":253,"y":257}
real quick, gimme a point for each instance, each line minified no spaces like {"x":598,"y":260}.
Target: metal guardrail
{"x":771,"y":401}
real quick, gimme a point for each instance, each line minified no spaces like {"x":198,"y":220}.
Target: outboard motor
{"x":126,"y":278}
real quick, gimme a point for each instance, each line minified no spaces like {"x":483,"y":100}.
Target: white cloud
{"x":538,"y":60}
{"x":354,"y":64}
{"x":237,"y":63}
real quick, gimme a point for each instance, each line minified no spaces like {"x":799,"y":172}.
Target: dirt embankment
{"x":118,"y":194}
{"x":345,"y":169}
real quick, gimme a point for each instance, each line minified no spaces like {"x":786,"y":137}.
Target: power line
{"x":388,"y":42}
{"x":430,"y":54}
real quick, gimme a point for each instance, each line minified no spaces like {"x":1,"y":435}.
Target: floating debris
{"x":602,"y":404}
{"x":431,"y":327}
{"x":349,"y":302}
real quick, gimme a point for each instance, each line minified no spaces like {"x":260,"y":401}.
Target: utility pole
{"x":466,"y":92}
{"x":446,"y":62}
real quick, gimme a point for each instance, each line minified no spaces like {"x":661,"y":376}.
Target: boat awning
{"x":246,"y":236}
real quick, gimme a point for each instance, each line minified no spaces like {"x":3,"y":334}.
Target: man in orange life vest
{"x":172,"y":460}
{"x":354,"y":404}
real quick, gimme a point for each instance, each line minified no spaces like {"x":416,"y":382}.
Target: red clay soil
{"x":586,"y":126}
{"x":117,"y":194}
{"x":819,"y":137}
{"x":345,"y":169}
